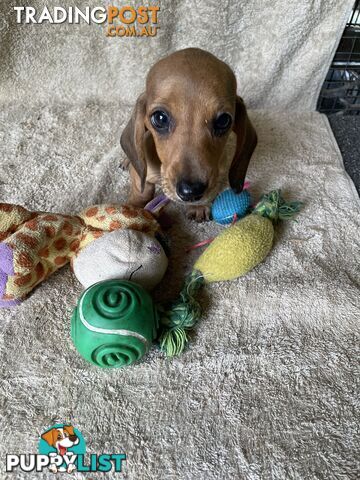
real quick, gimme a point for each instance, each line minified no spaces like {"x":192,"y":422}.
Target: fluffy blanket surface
{"x":266,"y":389}
{"x":280,"y":50}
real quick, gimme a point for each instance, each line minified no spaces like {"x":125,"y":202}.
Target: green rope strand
{"x":273,"y":206}
{"x":180,"y":317}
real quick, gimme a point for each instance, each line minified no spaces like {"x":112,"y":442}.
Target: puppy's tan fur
{"x":194,"y":87}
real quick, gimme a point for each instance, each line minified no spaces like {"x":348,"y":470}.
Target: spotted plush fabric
{"x":110,"y":217}
{"x":33,"y":245}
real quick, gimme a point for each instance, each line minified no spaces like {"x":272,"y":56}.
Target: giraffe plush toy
{"x":33,"y":245}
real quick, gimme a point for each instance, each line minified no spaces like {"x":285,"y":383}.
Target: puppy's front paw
{"x":199,"y":213}
{"x":124,"y":163}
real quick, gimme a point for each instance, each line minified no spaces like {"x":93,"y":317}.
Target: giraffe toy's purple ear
{"x":11,"y":218}
{"x":6,"y":270}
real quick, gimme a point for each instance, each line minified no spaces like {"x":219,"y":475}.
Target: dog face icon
{"x":62,"y":438}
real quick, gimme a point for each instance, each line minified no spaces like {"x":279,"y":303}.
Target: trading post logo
{"x":62,"y":448}
{"x":125,"y":21}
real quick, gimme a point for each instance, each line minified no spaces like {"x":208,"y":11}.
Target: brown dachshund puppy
{"x":180,"y":126}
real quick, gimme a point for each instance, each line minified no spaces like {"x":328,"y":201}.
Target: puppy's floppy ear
{"x":69,"y":429}
{"x":50,"y":437}
{"x":133,"y":137}
{"x":246,"y":141}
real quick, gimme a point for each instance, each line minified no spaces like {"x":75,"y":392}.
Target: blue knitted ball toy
{"x":227,"y":203}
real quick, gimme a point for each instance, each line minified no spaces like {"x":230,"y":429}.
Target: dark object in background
{"x":340,"y":93}
{"x":346,"y":129}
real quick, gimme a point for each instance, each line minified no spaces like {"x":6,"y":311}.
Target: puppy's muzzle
{"x":190,"y":191}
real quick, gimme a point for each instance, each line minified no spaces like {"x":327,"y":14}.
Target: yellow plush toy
{"x":236,"y":251}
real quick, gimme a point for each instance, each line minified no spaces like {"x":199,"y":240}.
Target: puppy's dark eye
{"x":160,"y":120}
{"x":222,"y":124}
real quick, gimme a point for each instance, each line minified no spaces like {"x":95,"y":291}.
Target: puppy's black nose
{"x":190,"y":191}
{"x":73,"y":438}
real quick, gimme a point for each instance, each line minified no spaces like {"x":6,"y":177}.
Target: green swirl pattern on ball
{"x":114,"y":323}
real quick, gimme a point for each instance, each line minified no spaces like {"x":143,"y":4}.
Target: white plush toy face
{"x":123,"y":255}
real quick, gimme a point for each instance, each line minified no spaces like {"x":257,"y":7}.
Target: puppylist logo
{"x":62,"y":449}
{"x":125,"y":21}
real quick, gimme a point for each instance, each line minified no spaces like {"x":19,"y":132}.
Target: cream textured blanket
{"x":280,"y":50}
{"x":268,"y":387}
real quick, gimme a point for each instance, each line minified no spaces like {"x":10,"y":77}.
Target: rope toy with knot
{"x":180,"y":317}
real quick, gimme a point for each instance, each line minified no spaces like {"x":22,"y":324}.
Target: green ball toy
{"x":114,"y":323}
